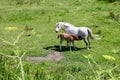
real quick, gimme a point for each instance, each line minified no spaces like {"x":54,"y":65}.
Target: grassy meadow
{"x":101,"y":62}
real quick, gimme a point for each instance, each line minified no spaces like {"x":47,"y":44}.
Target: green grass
{"x":42,"y":15}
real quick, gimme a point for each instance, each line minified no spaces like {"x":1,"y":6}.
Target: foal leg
{"x":70,"y":46}
{"x":87,"y":43}
{"x":74,"y":45}
{"x":61,"y":44}
{"x":67,"y":44}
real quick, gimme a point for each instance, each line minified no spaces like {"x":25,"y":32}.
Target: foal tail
{"x":92,"y":36}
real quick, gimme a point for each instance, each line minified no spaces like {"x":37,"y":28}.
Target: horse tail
{"x":91,"y":34}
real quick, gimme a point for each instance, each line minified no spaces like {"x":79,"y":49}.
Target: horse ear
{"x":57,"y":24}
{"x":62,"y":25}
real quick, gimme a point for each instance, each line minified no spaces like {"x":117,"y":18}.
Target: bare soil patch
{"x":54,"y":56}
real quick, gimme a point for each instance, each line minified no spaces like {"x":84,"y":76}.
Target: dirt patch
{"x":54,"y":56}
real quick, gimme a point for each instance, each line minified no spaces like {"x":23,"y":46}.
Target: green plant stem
{"x":16,"y":52}
{"x":8,"y":55}
{"x":18,"y":37}
{"x":92,"y":68}
{"x":21,"y":68}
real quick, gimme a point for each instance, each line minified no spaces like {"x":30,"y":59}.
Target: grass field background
{"x":42,"y":15}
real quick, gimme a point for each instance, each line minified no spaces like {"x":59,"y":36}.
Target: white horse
{"x":82,"y":32}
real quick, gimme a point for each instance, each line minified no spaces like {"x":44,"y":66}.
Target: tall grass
{"x":109,"y":0}
{"x":42,"y":40}
{"x":12,"y":68}
{"x":99,"y":71}
{"x":16,"y":56}
{"x":30,"y":2}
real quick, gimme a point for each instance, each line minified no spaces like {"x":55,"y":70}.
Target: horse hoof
{"x":88,"y":49}
{"x":60,"y":49}
{"x":75,"y":49}
{"x":66,"y":47}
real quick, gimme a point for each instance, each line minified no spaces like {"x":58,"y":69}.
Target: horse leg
{"x":87,"y":43}
{"x":61,"y":44}
{"x":74,"y":45}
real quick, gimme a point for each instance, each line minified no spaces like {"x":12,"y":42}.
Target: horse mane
{"x":68,"y":24}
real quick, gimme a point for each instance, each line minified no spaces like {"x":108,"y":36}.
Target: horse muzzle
{"x":56,"y":31}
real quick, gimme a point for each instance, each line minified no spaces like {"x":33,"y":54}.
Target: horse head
{"x":59,"y":26}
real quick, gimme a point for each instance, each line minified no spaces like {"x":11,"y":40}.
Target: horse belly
{"x":74,"y":32}
{"x":82,"y":32}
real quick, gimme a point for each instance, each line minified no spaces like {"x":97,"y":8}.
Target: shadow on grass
{"x":56,"y":48}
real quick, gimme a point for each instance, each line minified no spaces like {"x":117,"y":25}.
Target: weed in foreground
{"x":100,"y":72}
{"x":16,"y":57}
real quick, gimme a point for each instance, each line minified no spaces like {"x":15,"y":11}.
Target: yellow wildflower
{"x":10,"y":28}
{"x":108,"y":57}
{"x":115,"y":51}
